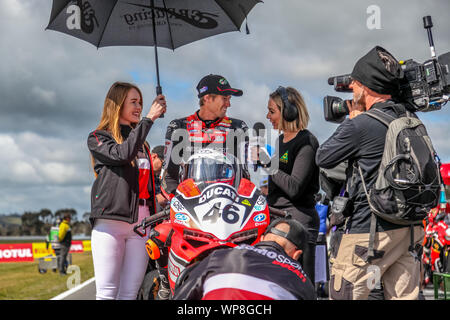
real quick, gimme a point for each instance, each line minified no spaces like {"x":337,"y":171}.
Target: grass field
{"x":22,"y":281}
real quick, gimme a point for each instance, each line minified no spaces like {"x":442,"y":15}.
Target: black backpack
{"x":409,"y":180}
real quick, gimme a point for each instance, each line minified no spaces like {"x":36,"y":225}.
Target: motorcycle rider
{"x":267,"y":271}
{"x":208,"y":126}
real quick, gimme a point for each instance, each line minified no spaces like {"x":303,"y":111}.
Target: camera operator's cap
{"x":371,"y":71}
{"x":297,"y":233}
{"x":215,"y":84}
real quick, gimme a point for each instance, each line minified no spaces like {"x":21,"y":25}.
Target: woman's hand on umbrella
{"x":158,"y":107}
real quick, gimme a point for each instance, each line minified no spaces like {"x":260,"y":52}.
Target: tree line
{"x":38,"y":223}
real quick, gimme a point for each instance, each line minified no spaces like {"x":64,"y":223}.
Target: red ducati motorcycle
{"x":436,"y":244}
{"x":214,"y":207}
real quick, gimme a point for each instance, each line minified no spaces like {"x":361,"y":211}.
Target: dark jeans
{"x":62,"y":258}
{"x":309,"y":218}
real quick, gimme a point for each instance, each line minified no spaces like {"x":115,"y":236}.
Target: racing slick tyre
{"x":150,"y":286}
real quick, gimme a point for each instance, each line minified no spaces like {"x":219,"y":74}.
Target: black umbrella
{"x":106,"y":23}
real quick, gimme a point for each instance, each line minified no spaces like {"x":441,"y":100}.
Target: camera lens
{"x":335,"y":109}
{"x":339,"y":108}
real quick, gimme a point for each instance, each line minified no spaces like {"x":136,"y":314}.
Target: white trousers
{"x":120,"y":258}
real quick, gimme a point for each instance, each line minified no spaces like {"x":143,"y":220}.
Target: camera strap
{"x":373,"y":221}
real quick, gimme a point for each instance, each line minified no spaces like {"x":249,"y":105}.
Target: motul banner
{"x":16,"y":252}
{"x":27,"y":252}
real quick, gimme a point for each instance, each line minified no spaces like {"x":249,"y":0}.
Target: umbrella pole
{"x":158,"y":87}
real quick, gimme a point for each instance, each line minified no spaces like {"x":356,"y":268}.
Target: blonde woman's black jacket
{"x":115,"y":192}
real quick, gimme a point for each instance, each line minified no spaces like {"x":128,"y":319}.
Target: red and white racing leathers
{"x":260,"y":272}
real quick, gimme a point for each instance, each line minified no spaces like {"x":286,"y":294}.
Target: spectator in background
{"x":65,"y":241}
{"x":264,"y":185}
{"x":157,"y":155}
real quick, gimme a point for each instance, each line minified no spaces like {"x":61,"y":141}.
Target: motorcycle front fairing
{"x":207,"y":216}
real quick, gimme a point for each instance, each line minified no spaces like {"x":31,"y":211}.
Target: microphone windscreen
{"x":258,"y":127}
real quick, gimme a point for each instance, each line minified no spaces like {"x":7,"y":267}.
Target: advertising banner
{"x":87,"y":245}
{"x":77,"y":246}
{"x":27,"y":252}
{"x":16,"y":252}
{"x":40,"y":249}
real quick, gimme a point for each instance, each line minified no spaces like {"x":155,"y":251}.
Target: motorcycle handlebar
{"x":163,"y":215}
{"x":150,"y":221}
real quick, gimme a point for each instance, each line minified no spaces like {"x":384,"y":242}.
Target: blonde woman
{"x":123,"y":191}
{"x":294,"y":185}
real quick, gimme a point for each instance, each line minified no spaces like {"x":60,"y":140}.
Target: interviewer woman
{"x":123,"y":191}
{"x":293,"y":186}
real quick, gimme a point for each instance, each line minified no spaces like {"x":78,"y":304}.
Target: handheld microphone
{"x":258,"y":127}
{"x":260,"y":140}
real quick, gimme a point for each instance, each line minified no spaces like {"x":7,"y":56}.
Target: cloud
{"x":13,"y":8}
{"x":35,"y":160}
{"x":44,"y":96}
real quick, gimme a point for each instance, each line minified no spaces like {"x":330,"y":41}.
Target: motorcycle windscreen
{"x":204,"y":170}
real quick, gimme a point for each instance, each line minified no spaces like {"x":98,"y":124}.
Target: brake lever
{"x":150,"y":221}
{"x":142,"y":226}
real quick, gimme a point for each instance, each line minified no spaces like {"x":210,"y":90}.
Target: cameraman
{"x":360,"y":139}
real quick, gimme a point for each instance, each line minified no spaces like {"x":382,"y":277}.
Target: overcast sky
{"x":53,"y":86}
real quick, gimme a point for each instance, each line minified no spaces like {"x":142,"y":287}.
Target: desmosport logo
{"x":277,"y":257}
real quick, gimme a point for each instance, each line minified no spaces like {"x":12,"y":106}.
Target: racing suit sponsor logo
{"x":278,"y":259}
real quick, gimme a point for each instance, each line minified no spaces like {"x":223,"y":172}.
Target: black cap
{"x":297,"y":233}
{"x":371,"y":72}
{"x":159,"y":150}
{"x":215,"y":84}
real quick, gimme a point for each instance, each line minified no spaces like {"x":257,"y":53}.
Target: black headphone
{"x":290,"y":111}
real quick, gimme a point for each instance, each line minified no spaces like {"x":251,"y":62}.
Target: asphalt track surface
{"x":87,"y":292}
